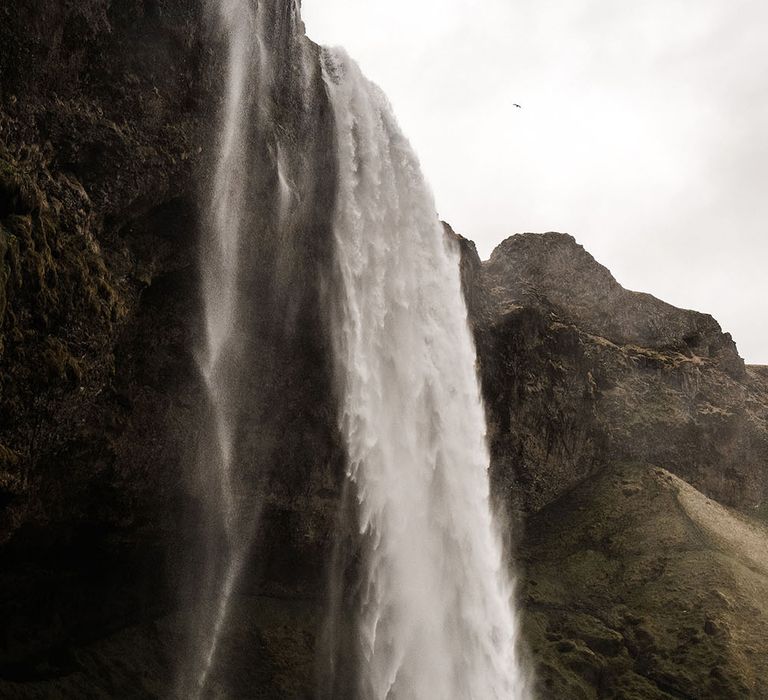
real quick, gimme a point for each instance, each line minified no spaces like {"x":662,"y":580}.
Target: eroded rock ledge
{"x":578,"y":372}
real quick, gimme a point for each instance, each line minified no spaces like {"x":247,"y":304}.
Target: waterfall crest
{"x":435,"y":617}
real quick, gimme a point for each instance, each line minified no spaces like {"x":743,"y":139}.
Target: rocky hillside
{"x":627,"y":434}
{"x":639,"y":587}
{"x":623,"y":426}
{"x":578,"y":372}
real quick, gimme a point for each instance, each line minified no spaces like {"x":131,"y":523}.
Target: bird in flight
{"x":514,"y":104}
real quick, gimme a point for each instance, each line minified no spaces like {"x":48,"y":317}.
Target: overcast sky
{"x":643,"y":131}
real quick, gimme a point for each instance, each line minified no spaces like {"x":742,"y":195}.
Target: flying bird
{"x":514,"y":104}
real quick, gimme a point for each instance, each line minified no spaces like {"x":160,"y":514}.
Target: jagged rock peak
{"x":553,"y":270}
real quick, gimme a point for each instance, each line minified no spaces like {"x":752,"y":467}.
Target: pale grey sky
{"x":643,"y":131}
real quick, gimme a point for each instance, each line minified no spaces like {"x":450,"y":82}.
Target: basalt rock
{"x":578,"y":372}
{"x":107,"y":124}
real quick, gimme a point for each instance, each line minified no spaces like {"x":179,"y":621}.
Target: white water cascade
{"x":436,"y":620}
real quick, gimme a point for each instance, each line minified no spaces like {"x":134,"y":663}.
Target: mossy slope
{"x":638,"y":586}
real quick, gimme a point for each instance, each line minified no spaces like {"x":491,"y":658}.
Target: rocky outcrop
{"x":551,"y":271}
{"x":578,"y":372}
{"x":605,"y":409}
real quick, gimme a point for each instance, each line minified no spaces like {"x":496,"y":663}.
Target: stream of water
{"x":240,"y":23}
{"x":436,"y":619}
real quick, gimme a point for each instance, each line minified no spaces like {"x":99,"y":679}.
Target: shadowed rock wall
{"x":108,"y":117}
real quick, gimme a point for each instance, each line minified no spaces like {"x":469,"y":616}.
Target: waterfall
{"x":231,"y":519}
{"x":435,"y":617}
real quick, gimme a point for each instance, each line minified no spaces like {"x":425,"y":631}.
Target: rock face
{"x":99,"y":141}
{"x":606,"y":407}
{"x":107,"y":123}
{"x":578,"y":372}
{"x":635,"y":583}
{"x":553,"y":270}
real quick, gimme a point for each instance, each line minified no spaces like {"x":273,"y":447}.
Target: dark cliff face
{"x":578,"y":371}
{"x":108,"y":118}
{"x":101,"y":115}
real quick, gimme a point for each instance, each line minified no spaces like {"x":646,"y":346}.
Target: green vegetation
{"x":631,"y":592}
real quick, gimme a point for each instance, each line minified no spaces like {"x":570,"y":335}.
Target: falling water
{"x":220,"y":266}
{"x":240,"y":22}
{"x":436,"y":619}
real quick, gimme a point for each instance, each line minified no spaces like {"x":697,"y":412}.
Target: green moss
{"x":54,"y":270}
{"x":624,"y":593}
{"x":17,"y":193}
{"x":8,"y":458}
{"x":8,"y":174}
{"x":59,"y":363}
{"x":5,"y":273}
